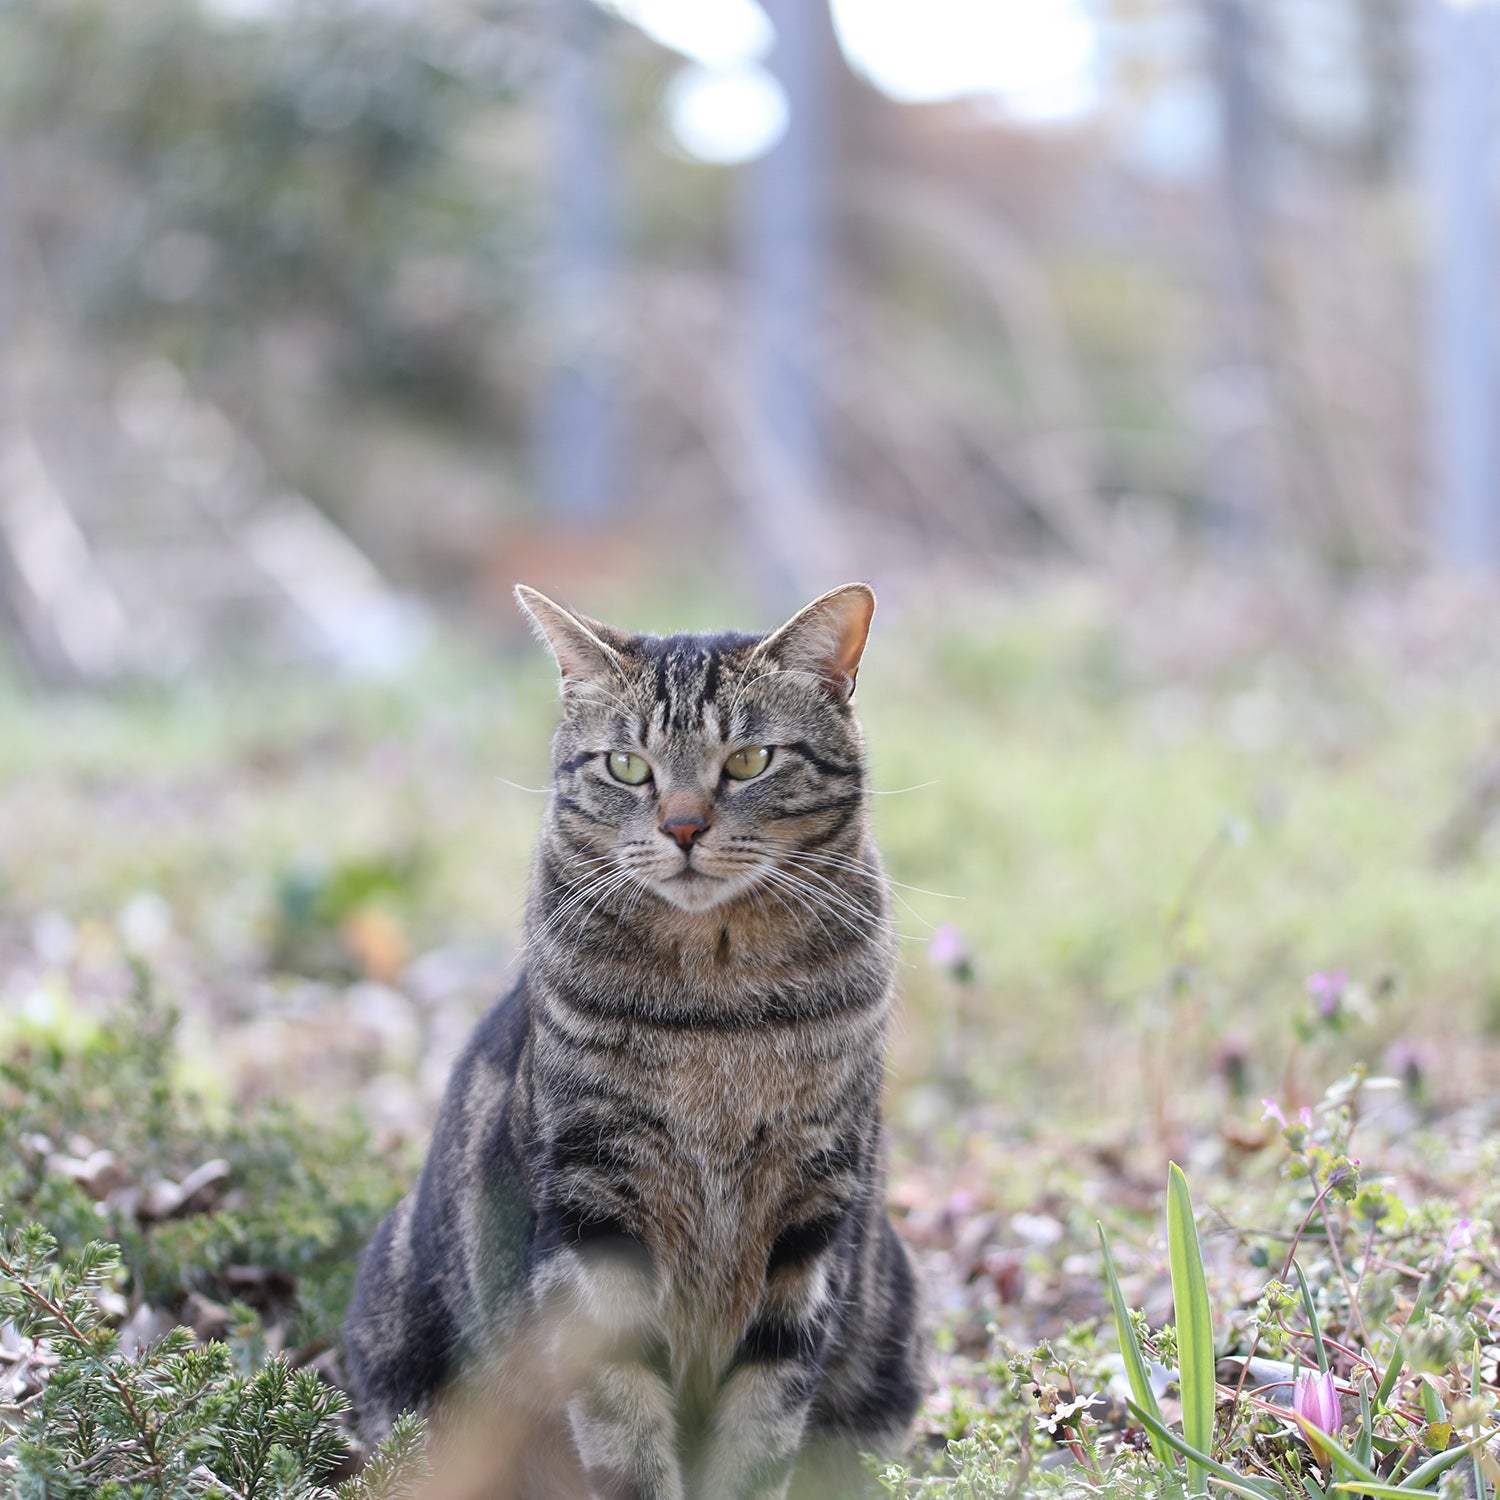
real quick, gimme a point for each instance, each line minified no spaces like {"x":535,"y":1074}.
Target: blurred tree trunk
{"x":1245,"y":484}
{"x":785,"y":243}
{"x":11,"y":623}
{"x":1464,"y":290}
{"x":577,"y":438}
{"x":1385,"y":44}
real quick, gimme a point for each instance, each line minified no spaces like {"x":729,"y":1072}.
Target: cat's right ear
{"x":586,"y":650}
{"x":827,"y":638}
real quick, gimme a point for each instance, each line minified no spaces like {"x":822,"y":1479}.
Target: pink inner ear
{"x":853,"y":633}
{"x":577,"y":654}
{"x":848,"y":618}
{"x":828,"y":637}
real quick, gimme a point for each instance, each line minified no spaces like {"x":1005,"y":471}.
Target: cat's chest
{"x":741,"y":1120}
{"x":709,"y":1130}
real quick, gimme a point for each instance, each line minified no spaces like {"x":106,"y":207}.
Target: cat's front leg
{"x":762,"y":1411}
{"x":625,"y":1431}
{"x":759,"y":1424}
{"x":599,"y":1304}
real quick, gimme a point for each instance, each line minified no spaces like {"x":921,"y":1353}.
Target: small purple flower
{"x":1273,"y":1112}
{"x":1327,"y":988}
{"x":1315,"y":1399}
{"x":946,"y":947}
{"x":1460,"y":1237}
{"x":948,"y":950}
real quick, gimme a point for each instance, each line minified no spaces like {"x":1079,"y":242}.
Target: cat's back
{"x":465,"y":1225}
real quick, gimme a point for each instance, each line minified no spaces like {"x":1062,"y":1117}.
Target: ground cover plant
{"x":167,"y":1298}
{"x":1350,"y":1351}
{"x":1227,"y":871}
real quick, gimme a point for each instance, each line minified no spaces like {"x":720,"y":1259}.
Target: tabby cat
{"x":648,"y":1254}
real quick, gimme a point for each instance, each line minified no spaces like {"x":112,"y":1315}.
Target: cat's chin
{"x":692,"y":890}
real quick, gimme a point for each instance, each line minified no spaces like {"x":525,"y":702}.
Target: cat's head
{"x":701,"y":767}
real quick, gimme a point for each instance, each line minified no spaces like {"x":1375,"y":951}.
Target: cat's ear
{"x":585,"y":649}
{"x":826,"y":638}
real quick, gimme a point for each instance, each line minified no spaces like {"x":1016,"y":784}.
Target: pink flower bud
{"x":947,"y":950}
{"x":1460,"y":1237}
{"x":1315,"y":1399}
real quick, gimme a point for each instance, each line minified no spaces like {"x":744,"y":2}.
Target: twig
{"x":148,"y":1437}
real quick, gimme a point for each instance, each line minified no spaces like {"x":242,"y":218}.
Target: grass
{"x":1100,"y":822}
{"x":1151,"y":818}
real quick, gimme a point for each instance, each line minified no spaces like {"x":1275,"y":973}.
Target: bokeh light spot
{"x":725,"y":115}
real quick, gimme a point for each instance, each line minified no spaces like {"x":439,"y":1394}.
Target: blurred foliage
{"x":100,"y":1132}
{"x":330,"y":218}
{"x":194,"y":175}
{"x":345,"y":919}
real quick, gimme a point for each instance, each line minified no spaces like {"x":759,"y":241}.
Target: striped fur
{"x":648,"y":1251}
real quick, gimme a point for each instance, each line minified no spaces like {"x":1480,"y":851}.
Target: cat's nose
{"x":684,"y":827}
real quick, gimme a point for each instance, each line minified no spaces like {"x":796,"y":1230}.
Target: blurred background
{"x":321,"y":318}
{"x":1145,"y":354}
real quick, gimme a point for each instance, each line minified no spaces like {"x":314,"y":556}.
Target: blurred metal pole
{"x":578,"y":434}
{"x":785,"y":249}
{"x":1462,"y":53}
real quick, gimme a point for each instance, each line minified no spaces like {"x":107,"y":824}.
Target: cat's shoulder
{"x":501,"y":1032}
{"x":493,"y":1052}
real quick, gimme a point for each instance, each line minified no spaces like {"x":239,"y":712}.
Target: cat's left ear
{"x":826,"y":638}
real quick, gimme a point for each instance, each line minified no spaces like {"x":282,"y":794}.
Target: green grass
{"x":1112,"y":835}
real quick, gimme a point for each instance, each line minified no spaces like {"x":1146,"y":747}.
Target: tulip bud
{"x":1315,"y":1399}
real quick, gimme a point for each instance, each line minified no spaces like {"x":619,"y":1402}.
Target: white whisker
{"x":855,"y":867}
{"x":838,"y":898}
{"x":830,"y":897}
{"x":576,"y":897}
{"x":795,"y":860}
{"x":783,"y":890}
{"x":627,"y":878}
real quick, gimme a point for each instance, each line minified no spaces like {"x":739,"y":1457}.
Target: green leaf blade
{"x":1382,"y":1491}
{"x":1195,"y":1338}
{"x":1476,"y":1392}
{"x":1310,"y":1312}
{"x":1241,"y":1484}
{"x":1136,"y":1369}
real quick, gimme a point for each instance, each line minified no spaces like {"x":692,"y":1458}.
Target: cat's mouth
{"x":693,"y":889}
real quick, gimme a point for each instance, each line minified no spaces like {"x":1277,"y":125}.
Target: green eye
{"x":633,"y":770}
{"x":744,"y":764}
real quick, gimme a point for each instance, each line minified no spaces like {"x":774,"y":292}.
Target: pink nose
{"x":685,"y":829}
